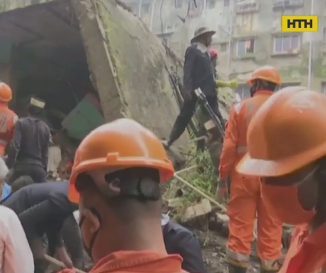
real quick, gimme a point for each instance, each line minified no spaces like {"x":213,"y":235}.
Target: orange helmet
{"x":120,"y":144}
{"x":266,"y":73}
{"x":287,"y":133}
{"x":5,"y":92}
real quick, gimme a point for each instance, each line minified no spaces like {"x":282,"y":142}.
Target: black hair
{"x":266,"y":85}
{"x":34,"y":110}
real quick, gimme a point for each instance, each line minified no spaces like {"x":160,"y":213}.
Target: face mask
{"x":283,"y":202}
{"x":89,"y":248}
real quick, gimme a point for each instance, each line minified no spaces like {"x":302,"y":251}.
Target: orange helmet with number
{"x":120,"y":144}
{"x":266,"y":73}
{"x":5,"y":92}
{"x":286,"y":134}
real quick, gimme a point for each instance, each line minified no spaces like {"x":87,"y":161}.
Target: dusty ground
{"x":214,"y":253}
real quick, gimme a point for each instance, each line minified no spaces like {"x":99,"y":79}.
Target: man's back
{"x":198,"y":70}
{"x":36,"y":136}
{"x":34,"y":194}
{"x":245,"y":110}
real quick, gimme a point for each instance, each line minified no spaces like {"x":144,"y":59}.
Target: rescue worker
{"x":8,"y":118}
{"x":287,"y":148}
{"x":179,"y":240}
{"x":245,"y":198}
{"x":197,"y":73}
{"x":42,"y":209}
{"x":28,"y":153}
{"x":116,"y":179}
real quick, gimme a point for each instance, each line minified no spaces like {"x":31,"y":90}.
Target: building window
{"x":211,"y":4}
{"x":323,"y":88}
{"x":243,"y":91}
{"x":145,"y":8}
{"x":226,"y":3}
{"x":324,"y":34}
{"x":286,"y":44}
{"x":245,"y":47}
{"x":223,"y":47}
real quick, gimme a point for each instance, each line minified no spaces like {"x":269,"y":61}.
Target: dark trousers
{"x":186,"y":113}
{"x":36,"y":172}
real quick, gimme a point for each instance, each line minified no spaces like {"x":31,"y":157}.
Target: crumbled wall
{"x":127,"y":64}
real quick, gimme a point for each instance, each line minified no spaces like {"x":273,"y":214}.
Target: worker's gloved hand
{"x":63,"y":256}
{"x":233,"y":84}
{"x":222,"y":190}
{"x":230,"y":84}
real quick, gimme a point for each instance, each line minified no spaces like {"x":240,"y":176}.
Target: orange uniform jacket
{"x":8,"y":120}
{"x":235,"y":141}
{"x":137,"y":261}
{"x":307,"y":252}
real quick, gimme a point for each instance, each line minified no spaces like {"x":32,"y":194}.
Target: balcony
{"x":247,"y":8}
{"x":287,"y":4}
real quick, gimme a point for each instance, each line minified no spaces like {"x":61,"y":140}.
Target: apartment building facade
{"x":248,"y":35}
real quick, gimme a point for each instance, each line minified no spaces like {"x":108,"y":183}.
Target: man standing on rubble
{"x":197,"y":73}
{"x":245,"y":200}
{"x":28,"y":153}
{"x":116,"y":177}
{"x":8,"y":118}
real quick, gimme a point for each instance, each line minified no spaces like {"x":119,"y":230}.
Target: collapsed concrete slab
{"x":127,"y":64}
